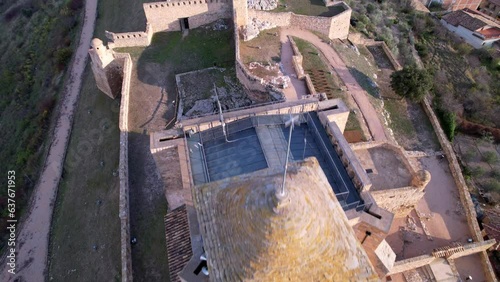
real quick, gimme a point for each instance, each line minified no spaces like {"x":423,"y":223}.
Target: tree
{"x":411,"y":83}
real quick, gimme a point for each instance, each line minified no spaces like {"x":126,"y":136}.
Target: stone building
{"x":229,"y":192}
{"x":491,"y":8}
{"x":473,"y":27}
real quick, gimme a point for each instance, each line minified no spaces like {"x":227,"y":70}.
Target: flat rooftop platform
{"x":384,"y":167}
{"x":260,"y":142}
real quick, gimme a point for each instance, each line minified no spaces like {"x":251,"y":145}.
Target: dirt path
{"x":33,"y":235}
{"x":359,"y":95}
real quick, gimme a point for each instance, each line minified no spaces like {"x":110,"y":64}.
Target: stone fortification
{"x":463,"y":191}
{"x":124,"y":212}
{"x":107,"y":71}
{"x":333,"y":27}
{"x":168,"y":15}
{"x":130,"y":39}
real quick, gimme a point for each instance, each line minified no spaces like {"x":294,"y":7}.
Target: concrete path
{"x":360,"y":96}
{"x":33,"y":234}
{"x":297,"y":87}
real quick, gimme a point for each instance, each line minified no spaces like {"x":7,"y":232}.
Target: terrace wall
{"x":164,"y":16}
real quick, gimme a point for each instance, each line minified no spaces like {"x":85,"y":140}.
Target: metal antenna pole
{"x":290,"y":123}
{"x":220,"y":115}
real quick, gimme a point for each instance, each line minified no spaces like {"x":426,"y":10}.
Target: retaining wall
{"x":130,"y":39}
{"x":463,"y":191}
{"x":297,"y":65}
{"x":124,"y":212}
{"x":164,"y":16}
{"x":395,"y":64}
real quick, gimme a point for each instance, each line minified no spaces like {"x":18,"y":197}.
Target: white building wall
{"x":466,"y":34}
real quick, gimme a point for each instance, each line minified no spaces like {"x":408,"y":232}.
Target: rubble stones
{"x":265,"y":5}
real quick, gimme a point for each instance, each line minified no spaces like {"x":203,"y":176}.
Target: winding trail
{"x":360,"y":96}
{"x":33,"y":234}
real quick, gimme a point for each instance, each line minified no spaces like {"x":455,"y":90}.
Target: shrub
{"x":370,"y":8}
{"x":464,"y":49}
{"x":448,"y":122}
{"x":490,"y":157}
{"x":63,"y":55}
{"x":476,"y":171}
{"x":492,"y":185}
{"x":422,"y":49}
{"x":411,"y":82}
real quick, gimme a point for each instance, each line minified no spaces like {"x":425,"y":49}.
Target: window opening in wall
{"x":369,"y":170}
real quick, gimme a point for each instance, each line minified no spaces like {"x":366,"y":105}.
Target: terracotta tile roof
{"x":464,"y":19}
{"x":250,"y":234}
{"x":179,"y":250}
{"x":490,"y":33}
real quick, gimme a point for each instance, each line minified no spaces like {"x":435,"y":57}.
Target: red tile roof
{"x":490,"y":33}
{"x":464,"y":19}
{"x":179,"y":250}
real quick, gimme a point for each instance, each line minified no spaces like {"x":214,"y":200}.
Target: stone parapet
{"x":351,"y":163}
{"x":124,"y":212}
{"x":130,"y":39}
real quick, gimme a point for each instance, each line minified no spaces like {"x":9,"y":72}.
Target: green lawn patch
{"x":85,"y":235}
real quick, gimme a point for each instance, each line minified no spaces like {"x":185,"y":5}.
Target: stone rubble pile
{"x":255,"y":27}
{"x":265,"y":5}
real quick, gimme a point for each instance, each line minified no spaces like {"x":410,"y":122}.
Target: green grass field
{"x":85,"y":239}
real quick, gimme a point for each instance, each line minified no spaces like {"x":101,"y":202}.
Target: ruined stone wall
{"x":276,"y":19}
{"x":463,"y":191}
{"x":164,"y":16}
{"x":297,"y":65}
{"x":332,"y":27}
{"x":130,"y":39}
{"x":399,"y":201}
{"x":124,"y":212}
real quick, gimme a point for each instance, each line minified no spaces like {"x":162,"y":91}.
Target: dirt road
{"x":360,"y":96}
{"x":33,"y":235}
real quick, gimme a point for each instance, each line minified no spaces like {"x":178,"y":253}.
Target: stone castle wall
{"x":124,"y":211}
{"x":399,"y":201}
{"x":351,"y":163}
{"x":463,"y":191}
{"x":332,"y":27}
{"x":130,"y":39}
{"x":164,"y":16}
